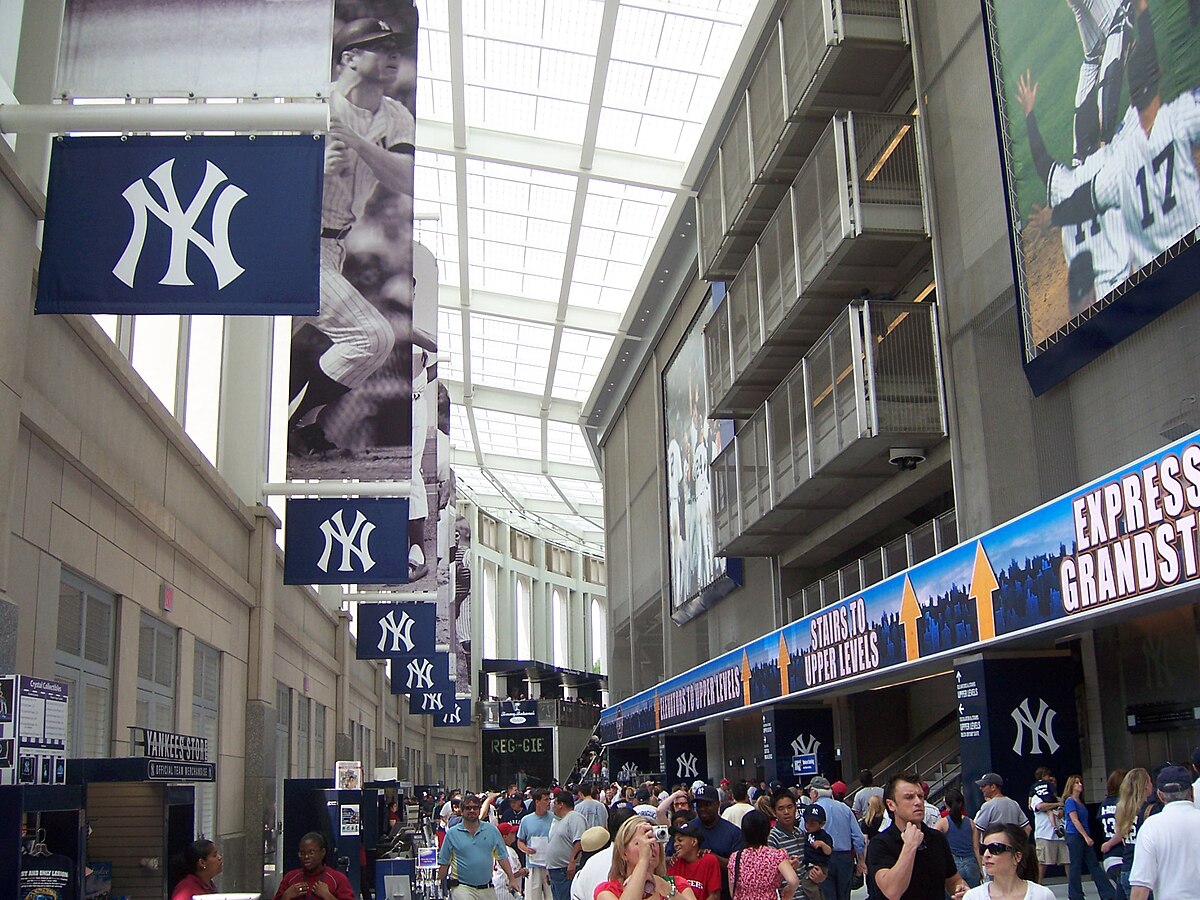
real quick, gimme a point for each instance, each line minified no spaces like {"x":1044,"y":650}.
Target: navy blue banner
{"x":346,"y":541}
{"x":458,"y":715}
{"x":431,"y":703}
{"x":386,"y":630}
{"x":518,"y":713}
{"x":425,"y":672}
{"x":200,"y":226}
{"x":683,"y":757}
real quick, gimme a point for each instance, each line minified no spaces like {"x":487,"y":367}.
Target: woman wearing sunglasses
{"x":1013,"y":869}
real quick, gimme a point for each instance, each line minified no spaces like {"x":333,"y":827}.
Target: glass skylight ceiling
{"x":563,"y":194}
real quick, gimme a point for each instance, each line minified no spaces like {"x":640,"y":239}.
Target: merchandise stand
{"x":46,"y":815}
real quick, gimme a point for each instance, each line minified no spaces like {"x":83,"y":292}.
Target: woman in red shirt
{"x":639,"y":870}
{"x":196,"y":868}
{"x":313,"y":881}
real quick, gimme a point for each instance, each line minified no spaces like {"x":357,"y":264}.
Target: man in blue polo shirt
{"x":721,"y":837}
{"x":467,"y":855}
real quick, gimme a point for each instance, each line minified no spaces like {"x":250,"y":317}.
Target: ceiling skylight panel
{"x":499,"y":281}
{"x":565,"y":443}
{"x":572,"y":24}
{"x":637,"y":34}
{"x":614,"y":299}
{"x":630,"y":247}
{"x":721,"y":47}
{"x":590,"y":270}
{"x":460,"y":430}
{"x":618,"y":129}
{"x":434,"y":100}
{"x":509,"y":66}
{"x":434,"y":14}
{"x":500,"y":110}
{"x":670,"y":92}
{"x":641,"y":218}
{"x":433,"y":54}
{"x":596,"y":241}
{"x":544,"y":263}
{"x":684,"y":41}
{"x":473,"y":479}
{"x":527,"y":486}
{"x":567,"y":76}
{"x":660,"y":136}
{"x":578,"y":491}
{"x":508,"y":434}
{"x":627,"y":85}
{"x":450,"y":349}
{"x":503,"y":18}
{"x":548,"y":235}
{"x":560,"y":120}
{"x":584,"y":294}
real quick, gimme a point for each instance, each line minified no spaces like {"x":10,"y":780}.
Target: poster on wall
{"x":193,"y":48}
{"x":33,"y":730}
{"x":1097,"y":112}
{"x":352,"y":383}
{"x":698,"y":578}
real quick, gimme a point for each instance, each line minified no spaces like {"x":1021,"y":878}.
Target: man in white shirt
{"x":1166,"y":861}
{"x":1196,"y":772}
{"x":741,"y":804}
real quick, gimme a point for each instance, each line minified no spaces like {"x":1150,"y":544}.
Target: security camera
{"x":906,"y":458}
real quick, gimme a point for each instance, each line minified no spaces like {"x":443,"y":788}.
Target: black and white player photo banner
{"x":351,"y":384}
{"x":192,"y":48}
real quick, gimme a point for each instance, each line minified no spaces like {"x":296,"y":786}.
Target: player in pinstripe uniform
{"x":1105,"y":28}
{"x":371,"y":143}
{"x":1148,"y":171}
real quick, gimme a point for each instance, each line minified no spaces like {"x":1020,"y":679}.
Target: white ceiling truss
{"x":554,"y":140}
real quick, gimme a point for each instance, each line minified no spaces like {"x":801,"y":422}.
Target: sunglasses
{"x":996,"y":848}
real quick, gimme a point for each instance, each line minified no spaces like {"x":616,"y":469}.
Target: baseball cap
{"x":689,"y":829}
{"x":820,"y":783}
{"x":814,"y":811}
{"x":1196,"y":757}
{"x":642,"y":795}
{"x":697,"y":784}
{"x":839,"y":789}
{"x":508,"y":827}
{"x":365,"y":31}
{"x":595,"y":838}
{"x":706,"y":794}
{"x":1173,"y":779}
{"x":724,"y":782}
{"x":990,"y":778}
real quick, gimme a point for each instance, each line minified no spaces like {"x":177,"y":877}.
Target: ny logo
{"x":1040,"y":727}
{"x":335,"y":530}
{"x":1158,"y":672}
{"x":182,"y":223}
{"x":420,"y":674}
{"x":628,"y":773}
{"x":805,"y":744}
{"x":687,"y":765}
{"x":454,"y":717}
{"x":399,"y":632}
{"x":431,"y":702}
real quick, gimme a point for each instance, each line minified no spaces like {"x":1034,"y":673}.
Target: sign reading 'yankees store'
{"x":387,"y":630}
{"x":339,"y":541}
{"x":207,"y":225}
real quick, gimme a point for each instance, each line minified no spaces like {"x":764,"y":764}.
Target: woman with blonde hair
{"x":763,"y":805}
{"x":1136,"y":788}
{"x":639,"y":867}
{"x":875,"y":816}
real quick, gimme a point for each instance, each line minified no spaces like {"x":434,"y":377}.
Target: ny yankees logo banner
{"x":388,"y":630}
{"x":207,"y":226}
{"x":340,"y":541}
{"x":426,"y":672}
{"x":432,"y":703}
{"x":457,"y":715}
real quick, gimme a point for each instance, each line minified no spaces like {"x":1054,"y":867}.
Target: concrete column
{"x":260,"y":774}
{"x":244,"y":421}
{"x":343,"y":740}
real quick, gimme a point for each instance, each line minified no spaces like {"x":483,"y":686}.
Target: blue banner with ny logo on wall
{"x":223,"y":225}
{"x":346,"y":541}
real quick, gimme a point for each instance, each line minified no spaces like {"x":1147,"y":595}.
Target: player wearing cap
{"x":371,"y":144}
{"x":1166,"y":861}
{"x":997,"y":809}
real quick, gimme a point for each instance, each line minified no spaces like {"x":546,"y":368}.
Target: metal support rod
{"x":383,"y":596}
{"x":260,"y":116}
{"x":337,"y":489}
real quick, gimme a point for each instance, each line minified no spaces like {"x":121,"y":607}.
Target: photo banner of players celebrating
{"x":697,"y":577}
{"x":1098,"y":114}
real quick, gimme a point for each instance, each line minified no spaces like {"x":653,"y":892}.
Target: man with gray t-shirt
{"x":563,"y":846}
{"x":996,"y":809}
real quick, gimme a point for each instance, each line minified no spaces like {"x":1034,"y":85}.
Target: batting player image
{"x":1105,"y":28}
{"x":1148,"y":171}
{"x":371,"y":144}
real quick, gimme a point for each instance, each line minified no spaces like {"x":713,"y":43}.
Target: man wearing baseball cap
{"x":1166,"y":861}
{"x":997,"y":809}
{"x":721,"y":838}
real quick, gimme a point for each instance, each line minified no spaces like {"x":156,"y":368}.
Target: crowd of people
{"x":739,"y":841}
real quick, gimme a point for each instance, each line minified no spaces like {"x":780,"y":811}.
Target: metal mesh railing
{"x":883,"y":9}
{"x":884,"y":154}
{"x":905,"y":379}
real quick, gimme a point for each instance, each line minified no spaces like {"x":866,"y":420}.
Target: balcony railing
{"x":853,"y":219}
{"x":568,"y":713}
{"x":821,"y":440}
{"x":823,"y":55}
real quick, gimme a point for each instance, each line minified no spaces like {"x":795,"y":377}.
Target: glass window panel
{"x":205,"y":342}
{"x":524,"y":617}
{"x":70,"y":618}
{"x":155,"y":354}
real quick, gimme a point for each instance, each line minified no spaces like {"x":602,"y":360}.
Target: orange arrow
{"x":910,"y":611}
{"x":745,"y":678}
{"x":983,"y":584}
{"x":783,"y":667}
{"x":657,"y":716}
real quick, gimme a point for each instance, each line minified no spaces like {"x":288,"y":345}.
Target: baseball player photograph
{"x":369,"y":151}
{"x":1103,"y":121}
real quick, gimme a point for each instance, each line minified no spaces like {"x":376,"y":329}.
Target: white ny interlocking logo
{"x":182,"y":223}
{"x":687,"y":765}
{"x":420,"y":674}
{"x":1040,"y":727}
{"x":628,"y":773}
{"x":335,"y":530}
{"x":399,"y":632}
{"x":431,"y":702}
{"x":804,"y":744}
{"x":454,"y":717}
